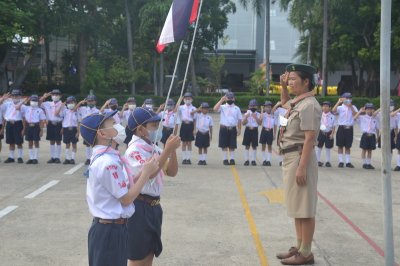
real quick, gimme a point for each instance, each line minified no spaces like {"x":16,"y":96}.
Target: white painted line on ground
{"x":73,"y":169}
{"x":7,"y":210}
{"x":41,"y":189}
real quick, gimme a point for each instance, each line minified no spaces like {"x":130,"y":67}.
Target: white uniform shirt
{"x":368,"y":124}
{"x":251,"y":121}
{"x":393,"y":120}
{"x":1,"y":114}
{"x":169,"y":118}
{"x":125,"y":116}
{"x":136,"y":154}
{"x":50,"y":109}
{"x":398,"y":120}
{"x":185,"y":112}
{"x":328,"y":122}
{"x":268,"y":120}
{"x":107,"y":183}
{"x":10,"y":112}
{"x":203,"y":122}
{"x":116,"y":116}
{"x":345,"y":115}
{"x":70,"y":118}
{"x":230,"y":115}
{"x":280,"y":111}
{"x":84,"y":111}
{"x":32,"y":114}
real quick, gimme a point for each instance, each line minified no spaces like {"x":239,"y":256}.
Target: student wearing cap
{"x":126,"y":111}
{"x":326,"y":133}
{"x":268,"y":133}
{"x":204,"y":126}
{"x":33,"y":118}
{"x":54,"y":123}
{"x":251,"y":121}
{"x":70,"y":130}
{"x":369,"y":130}
{"x":278,"y":112}
{"x":109,"y":106}
{"x":230,"y":128}
{"x":395,"y":117}
{"x":83,"y":111}
{"x":14,"y":126}
{"x":148,"y":104}
{"x":144,"y":227}
{"x":169,"y":120}
{"x":186,"y":113}
{"x":344,"y":135}
{"x":297,"y":138}
{"x":109,"y":192}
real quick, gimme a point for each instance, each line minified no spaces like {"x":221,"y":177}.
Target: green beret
{"x":302,"y":68}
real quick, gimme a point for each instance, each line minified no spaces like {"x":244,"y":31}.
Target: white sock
{"x":264,"y":155}
{"x":58,"y":152}
{"x":11,"y":154}
{"x":36,"y":153}
{"x":269,"y":156}
{"x":184,"y":155}
{"x":88,"y":152}
{"x":73,"y":155}
{"x":347,"y":158}
{"x":365,"y":161}
{"x":31,"y":154}
{"x":225,"y":155}
{"x":368,"y":160}
{"x":52,"y":151}
{"x":189,"y":154}
{"x":20,"y":153}
{"x":254,"y":153}
{"x":204,"y":156}
{"x":318,"y":153}
{"x":340,"y":157}
{"x":398,"y":159}
{"x":232,"y":153}
{"x":328,"y":154}
{"x":246,"y":155}
{"x":67,"y":154}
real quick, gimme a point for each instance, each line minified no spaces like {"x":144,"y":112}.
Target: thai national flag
{"x":177,"y":22}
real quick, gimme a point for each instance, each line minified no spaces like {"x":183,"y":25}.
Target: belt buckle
{"x":154,"y":202}
{"x":31,"y":124}
{"x":54,"y":123}
{"x":70,"y":128}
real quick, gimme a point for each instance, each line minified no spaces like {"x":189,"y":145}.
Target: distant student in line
{"x":251,"y":121}
{"x":268,"y":133}
{"x":204,"y":130}
{"x":326,"y":134}
{"x":186,"y":113}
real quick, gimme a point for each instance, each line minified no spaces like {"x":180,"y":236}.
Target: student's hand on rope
{"x":173,"y":143}
{"x":150,"y":167}
{"x":301,"y":178}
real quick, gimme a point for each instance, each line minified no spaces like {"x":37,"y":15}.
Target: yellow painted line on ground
{"x":250,"y":219}
{"x":275,"y":195}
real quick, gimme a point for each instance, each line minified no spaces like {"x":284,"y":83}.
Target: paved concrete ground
{"x":213,"y":215}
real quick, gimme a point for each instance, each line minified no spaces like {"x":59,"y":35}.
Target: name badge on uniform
{"x":322,"y":127}
{"x":283,"y":121}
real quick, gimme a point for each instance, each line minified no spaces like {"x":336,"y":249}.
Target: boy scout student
{"x":144,"y":227}
{"x":126,"y":111}
{"x":169,"y":120}
{"x":396,"y":115}
{"x":109,"y":193}
{"x":70,"y":129}
{"x":298,"y":134}
{"x":268,"y":133}
{"x":251,"y":121}
{"x":369,"y":130}
{"x":326,"y":133}
{"x":230,"y":126}
{"x":204,"y":126}
{"x":14,"y":127}
{"x":109,"y":106}
{"x":54,"y":123}
{"x":344,"y":136}
{"x":278,"y":112}
{"x":33,"y":118}
{"x":84,"y":111}
{"x":186,"y":113}
{"x":148,"y":104}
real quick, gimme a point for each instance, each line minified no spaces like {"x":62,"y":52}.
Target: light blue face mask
{"x":154,"y":135}
{"x":347,"y":101}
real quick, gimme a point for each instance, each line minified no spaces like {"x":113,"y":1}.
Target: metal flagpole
{"x":385,"y":126}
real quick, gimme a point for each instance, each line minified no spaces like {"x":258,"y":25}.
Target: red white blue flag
{"x":177,"y":22}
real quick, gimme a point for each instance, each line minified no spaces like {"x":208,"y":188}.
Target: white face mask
{"x":149,"y":106}
{"x":391,"y":108}
{"x":131,"y":106}
{"x":170,"y":107}
{"x":34,"y":104}
{"x":154,"y":135}
{"x":188,"y":101}
{"x":121,"y":135}
{"x":15,"y":101}
{"x":347,"y":101}
{"x":55,"y":98}
{"x":70,"y":106}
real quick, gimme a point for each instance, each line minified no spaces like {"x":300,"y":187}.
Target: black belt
{"x":168,"y":128}
{"x":110,"y":221}
{"x":12,"y":122}
{"x":346,"y":127}
{"x":203,"y":133}
{"x":326,"y":132}
{"x":70,"y":128}
{"x":369,"y":134}
{"x":251,"y":128}
{"x":152,"y":201}
{"x":187,"y":122}
{"x":267,"y":129}
{"x":228,"y":128}
{"x":33,"y":124}
{"x":55,"y":123}
{"x":297,"y":148}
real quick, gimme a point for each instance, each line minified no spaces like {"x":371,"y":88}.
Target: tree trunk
{"x":130,"y":42}
{"x":353,"y":75}
{"x":195,"y":87}
{"x":324,"y":50}
{"x":3,"y":70}
{"x":83,"y":46}
{"x":48,"y":63}
{"x":161,"y":73}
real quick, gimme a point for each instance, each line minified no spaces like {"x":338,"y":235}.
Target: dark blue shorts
{"x":202,"y":140}
{"x":267,"y":136}
{"x":227,"y":138}
{"x":324,"y":139}
{"x":13,"y":133}
{"x":344,"y":137}
{"x":69,"y":135}
{"x":1,"y":135}
{"x":107,"y":244}
{"x":368,"y":142}
{"x":54,"y":131}
{"x":250,"y":137}
{"x":186,"y":132}
{"x":166,"y":132}
{"x":32,"y":133}
{"x":144,"y":231}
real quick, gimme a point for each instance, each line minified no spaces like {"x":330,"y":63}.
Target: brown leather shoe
{"x":299,"y":259}
{"x":284,"y":255}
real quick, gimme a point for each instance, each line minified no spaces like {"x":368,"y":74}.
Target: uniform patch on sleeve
{"x":135,"y":155}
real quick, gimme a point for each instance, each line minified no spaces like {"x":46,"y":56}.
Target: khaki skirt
{"x":301,"y":201}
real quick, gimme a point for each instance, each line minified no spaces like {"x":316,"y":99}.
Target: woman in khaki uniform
{"x":299,"y":131}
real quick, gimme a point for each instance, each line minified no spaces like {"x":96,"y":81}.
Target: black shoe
{"x":9,"y":160}
{"x":204,"y":163}
{"x":349,"y":165}
{"x":225,"y":162}
{"x":253,"y":163}
{"x":264,"y":163}
{"x":396,"y":169}
{"x":51,"y":160}
{"x":268,"y":163}
{"x":280,"y":163}
{"x":232,"y":162}
{"x":341,"y":165}
{"x":246,"y":163}
{"x":200,"y":163}
{"x":371,"y":167}
{"x":20,"y":160}
{"x":328,"y":164}
{"x":184,"y":161}
{"x":87,"y":162}
{"x":320,"y":164}
{"x":35,"y":161}
{"x":72,"y":161}
{"x":66,"y":161}
{"x":57,"y":160}
{"x":29,"y":162}
{"x":188,"y":162}
{"x":365,"y":166}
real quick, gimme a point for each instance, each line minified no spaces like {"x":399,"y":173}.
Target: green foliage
{"x":119,"y":75}
{"x":216,"y":64}
{"x":95,"y":78}
{"x":257,"y":83}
